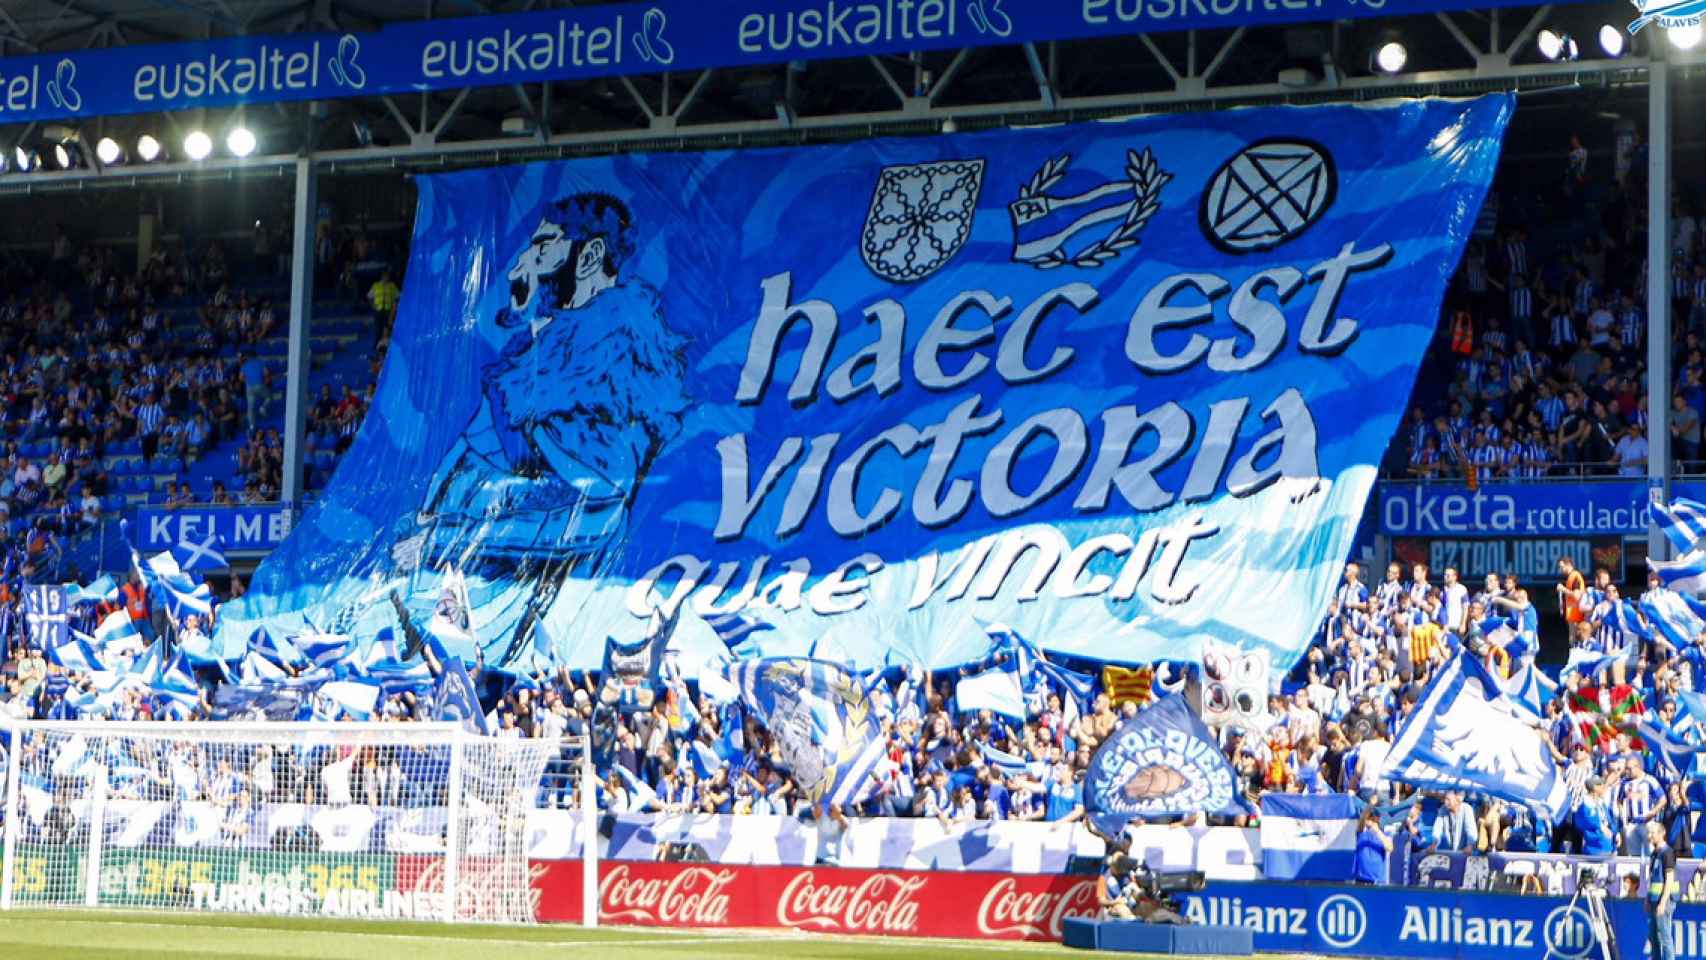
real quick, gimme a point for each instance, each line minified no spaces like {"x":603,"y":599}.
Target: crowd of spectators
{"x":1381,"y":644}
{"x":1539,"y":368}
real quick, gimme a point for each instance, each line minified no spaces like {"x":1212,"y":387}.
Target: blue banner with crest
{"x":1119,"y":386}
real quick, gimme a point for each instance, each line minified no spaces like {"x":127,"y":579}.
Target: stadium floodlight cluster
{"x":371,"y":820}
{"x":66,"y":150}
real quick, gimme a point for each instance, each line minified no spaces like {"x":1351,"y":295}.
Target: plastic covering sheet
{"x":1119,"y":386}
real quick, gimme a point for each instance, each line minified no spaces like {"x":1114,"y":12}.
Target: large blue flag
{"x":824,"y":726}
{"x":1120,"y":386}
{"x":1466,"y":734}
{"x":1162,"y":762}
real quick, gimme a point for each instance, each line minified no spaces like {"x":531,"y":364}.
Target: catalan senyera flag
{"x":1127,"y":683}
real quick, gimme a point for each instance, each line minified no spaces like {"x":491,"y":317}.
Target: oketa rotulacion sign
{"x":1119,"y":386}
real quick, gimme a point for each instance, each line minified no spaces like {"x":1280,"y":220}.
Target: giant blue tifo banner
{"x":601,"y":40}
{"x":1119,"y":386}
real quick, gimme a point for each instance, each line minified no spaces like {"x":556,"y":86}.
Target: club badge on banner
{"x":1117,"y":386}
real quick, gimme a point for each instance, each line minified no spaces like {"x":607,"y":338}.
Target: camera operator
{"x":1660,"y":867}
{"x":1111,"y":892}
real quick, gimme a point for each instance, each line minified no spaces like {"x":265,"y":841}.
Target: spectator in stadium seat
{"x":1454,"y":827}
{"x":383,"y":297}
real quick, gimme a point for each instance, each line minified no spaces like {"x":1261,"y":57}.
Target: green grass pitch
{"x":76,"y":935}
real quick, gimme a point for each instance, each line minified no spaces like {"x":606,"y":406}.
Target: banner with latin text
{"x":1119,"y":386}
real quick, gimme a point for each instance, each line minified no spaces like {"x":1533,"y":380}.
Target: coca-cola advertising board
{"x":820,"y":899}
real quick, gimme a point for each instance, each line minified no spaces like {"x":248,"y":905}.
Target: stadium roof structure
{"x":1457,"y":52}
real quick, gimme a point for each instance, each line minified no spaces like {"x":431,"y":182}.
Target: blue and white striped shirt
{"x":1522,"y":303}
{"x":1563,"y":330}
{"x":1630,"y":326}
{"x":149,"y":416}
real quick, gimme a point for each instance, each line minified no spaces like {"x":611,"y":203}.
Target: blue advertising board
{"x":1430,"y":924}
{"x":1082,"y":381}
{"x":601,"y":40}
{"x":251,"y":530}
{"x":1550,"y":509}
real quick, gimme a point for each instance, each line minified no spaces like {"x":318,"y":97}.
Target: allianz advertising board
{"x":1553,"y":509}
{"x":1431,"y":924}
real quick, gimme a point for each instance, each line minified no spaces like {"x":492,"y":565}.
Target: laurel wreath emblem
{"x":1146,"y":177}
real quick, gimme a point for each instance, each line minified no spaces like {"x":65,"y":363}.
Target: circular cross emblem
{"x":1267,"y":194}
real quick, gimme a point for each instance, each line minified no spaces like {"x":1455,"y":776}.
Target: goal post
{"x":371,"y":820}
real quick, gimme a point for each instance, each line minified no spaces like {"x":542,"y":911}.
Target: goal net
{"x":372,"y":820}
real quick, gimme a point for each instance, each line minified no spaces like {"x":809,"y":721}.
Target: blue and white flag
{"x":353,"y":697}
{"x":277,"y":649}
{"x":454,"y":698}
{"x":996,"y":689}
{"x":1005,"y":763}
{"x":1163,"y":762}
{"x":1686,"y":574}
{"x":1530,"y":689}
{"x":102,"y":588}
{"x":44,"y":613}
{"x":208,"y":556}
{"x":1628,"y":620}
{"x":824,"y":727}
{"x":1673,"y":758}
{"x":322,"y":649}
{"x":1309,"y":836}
{"x":1466,"y":734}
{"x":1671,"y":615}
{"x":76,"y":655}
{"x":1683,"y":522}
{"x":117,"y":632}
{"x":256,"y":669}
{"x":1690,"y":723}
{"x":928,"y":394}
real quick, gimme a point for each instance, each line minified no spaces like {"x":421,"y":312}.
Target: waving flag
{"x":355,"y":698}
{"x":1671,"y":615}
{"x":44,"y":612}
{"x":1672,"y":758}
{"x":278,"y":650}
{"x":1691,"y":716}
{"x":1530,"y":689}
{"x":996,"y":687}
{"x":75,"y":655}
{"x":1162,"y":762}
{"x":1683,"y":522}
{"x":630,"y":677}
{"x":1685,"y":574}
{"x":1311,"y":837}
{"x":1628,"y":619}
{"x":258,"y":669}
{"x":101,"y":588}
{"x":1466,"y":734}
{"x":1605,"y":712}
{"x":208,"y":556}
{"x":824,"y":727}
{"x":117,"y":633}
{"x":1124,"y":684}
{"x":454,"y":699}
{"x":322,"y":649}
